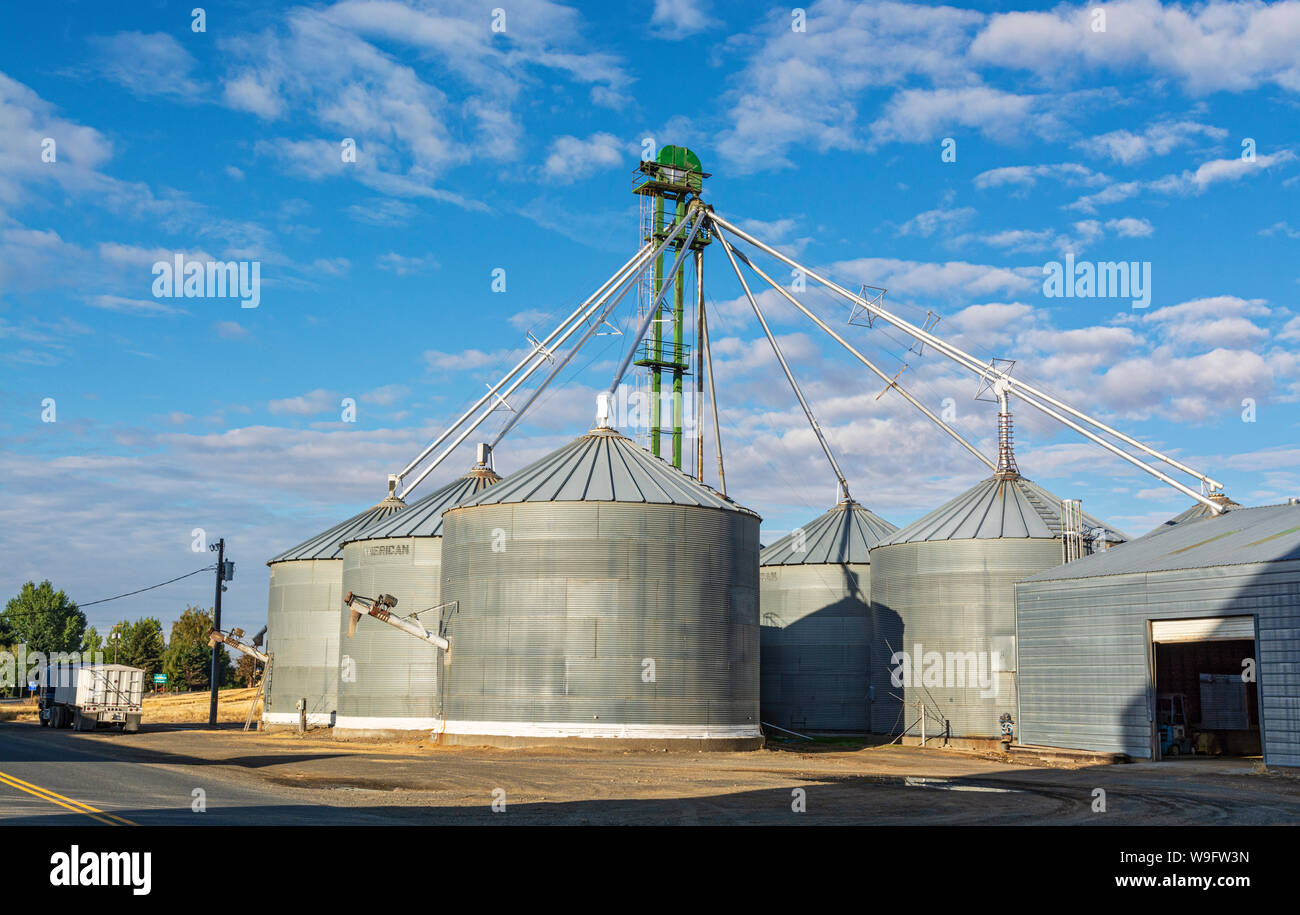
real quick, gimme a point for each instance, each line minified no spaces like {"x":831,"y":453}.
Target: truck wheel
{"x":42,"y":719}
{"x":132,"y":724}
{"x":84,"y":722}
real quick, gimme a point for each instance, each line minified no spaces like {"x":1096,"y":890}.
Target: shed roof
{"x":845,"y":534}
{"x":603,"y":466}
{"x":1269,"y":533}
{"x":1003,"y":506}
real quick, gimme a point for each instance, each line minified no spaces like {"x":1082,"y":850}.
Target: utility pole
{"x":216,"y":624}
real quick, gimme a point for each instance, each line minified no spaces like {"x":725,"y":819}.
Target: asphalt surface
{"x":63,"y":778}
{"x":70,"y":778}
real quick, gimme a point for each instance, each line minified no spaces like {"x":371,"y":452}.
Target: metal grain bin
{"x":815,"y":613}
{"x":389,"y":680}
{"x":302,"y":621}
{"x":602,"y":594}
{"x":1198,"y":511}
{"x":943,"y":592}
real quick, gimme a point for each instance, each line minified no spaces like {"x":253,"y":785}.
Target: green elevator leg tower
{"x":671,"y":180}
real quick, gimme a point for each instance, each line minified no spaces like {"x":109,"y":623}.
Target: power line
{"x":150,"y":588}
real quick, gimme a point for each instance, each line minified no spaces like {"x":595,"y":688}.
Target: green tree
{"x":248,"y":670}
{"x":188,"y":659}
{"x":91,"y":640}
{"x":44,"y":619}
{"x":139,"y":644}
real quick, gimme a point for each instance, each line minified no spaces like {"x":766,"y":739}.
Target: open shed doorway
{"x":1203,"y":703}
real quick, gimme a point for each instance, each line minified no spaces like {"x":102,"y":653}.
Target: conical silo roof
{"x":1198,"y":511}
{"x":843,"y":535}
{"x":424,"y":517}
{"x":603,"y":466}
{"x":328,"y":544}
{"x":1003,"y":506}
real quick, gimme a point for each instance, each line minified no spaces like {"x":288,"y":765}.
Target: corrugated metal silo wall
{"x":302,"y":628}
{"x":1084,"y":671}
{"x":949,"y":596}
{"x":391,"y":675}
{"x":554,"y":625}
{"x":815,"y":645}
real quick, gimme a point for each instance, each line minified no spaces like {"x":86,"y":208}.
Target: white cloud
{"x":133,"y":306}
{"x":1249,"y":43}
{"x":917,"y":278}
{"x":922,"y":115}
{"x":1130,"y":227}
{"x":1281,"y":228}
{"x":231,"y":330}
{"x":937,"y":220}
{"x":1028,"y":175}
{"x":148,"y":65}
{"x":571,"y":159}
{"x":675,"y":19}
{"x":312,"y":403}
{"x":1221,"y":321}
{"x":386,"y":396}
{"x":803,"y":89}
{"x":1187,"y":182}
{"x":345,"y":67}
{"x":529,"y":318}
{"x":1127,"y":147}
{"x":404,"y":265}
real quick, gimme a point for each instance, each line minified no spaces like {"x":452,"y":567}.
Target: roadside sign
{"x":160,"y":678}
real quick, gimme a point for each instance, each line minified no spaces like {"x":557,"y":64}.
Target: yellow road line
{"x":68,"y":803}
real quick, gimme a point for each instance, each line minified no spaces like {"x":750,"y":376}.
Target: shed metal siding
{"x":1083,"y":667}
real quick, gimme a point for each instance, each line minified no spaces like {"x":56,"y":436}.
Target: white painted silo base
{"x":601,"y":736}
{"x":370,"y":727}
{"x":278,"y":720}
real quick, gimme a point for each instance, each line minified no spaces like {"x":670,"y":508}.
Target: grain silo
{"x":815,"y":611}
{"x":943,"y":597}
{"x":602,"y":594}
{"x":1198,"y":511}
{"x":389,"y":680}
{"x":302,"y":621}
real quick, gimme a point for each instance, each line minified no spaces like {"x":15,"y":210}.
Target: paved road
{"x":65,"y":777}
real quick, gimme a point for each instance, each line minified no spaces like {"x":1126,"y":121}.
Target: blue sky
{"x":515,"y":149}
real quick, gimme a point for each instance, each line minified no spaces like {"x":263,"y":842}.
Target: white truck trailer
{"x":87,"y":695}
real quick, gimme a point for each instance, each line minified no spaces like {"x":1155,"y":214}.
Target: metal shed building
{"x":601,"y":593}
{"x":302,"y":621}
{"x":1090,"y":632}
{"x":942,"y":593}
{"x":388,"y":680}
{"x":815,"y":614}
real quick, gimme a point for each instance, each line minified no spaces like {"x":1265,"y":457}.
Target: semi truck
{"x":87,"y":695}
